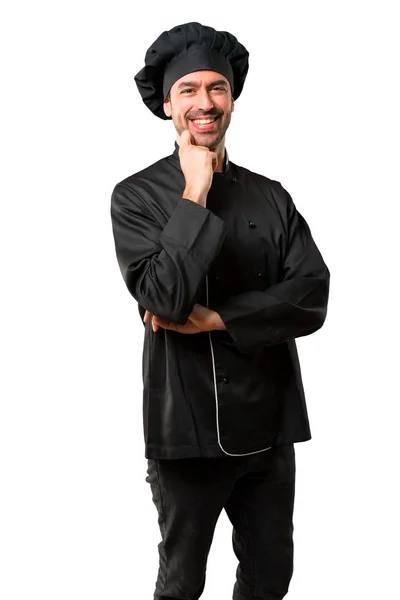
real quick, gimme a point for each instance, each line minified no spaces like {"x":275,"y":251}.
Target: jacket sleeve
{"x":164,"y":266}
{"x":294,"y":307}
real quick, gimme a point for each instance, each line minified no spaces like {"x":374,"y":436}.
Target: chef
{"x":226,"y":275}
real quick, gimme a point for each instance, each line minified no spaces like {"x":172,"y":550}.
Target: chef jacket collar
{"x":175,"y":154}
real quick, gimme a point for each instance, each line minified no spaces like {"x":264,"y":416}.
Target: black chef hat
{"x":186,"y":48}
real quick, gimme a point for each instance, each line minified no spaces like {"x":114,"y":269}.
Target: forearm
{"x":294,"y":308}
{"x":164,"y":268}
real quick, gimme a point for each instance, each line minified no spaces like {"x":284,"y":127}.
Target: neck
{"x":220,"y":151}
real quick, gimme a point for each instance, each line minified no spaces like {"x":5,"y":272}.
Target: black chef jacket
{"x":250,"y":256}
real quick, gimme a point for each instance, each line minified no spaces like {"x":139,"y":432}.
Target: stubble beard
{"x":205,"y":139}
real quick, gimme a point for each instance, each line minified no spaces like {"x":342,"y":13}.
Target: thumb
{"x":185,"y":139}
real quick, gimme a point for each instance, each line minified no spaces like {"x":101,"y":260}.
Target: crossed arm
{"x":200,"y":319}
{"x":164,"y":270}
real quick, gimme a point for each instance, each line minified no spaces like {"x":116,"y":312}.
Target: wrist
{"x":196,"y":195}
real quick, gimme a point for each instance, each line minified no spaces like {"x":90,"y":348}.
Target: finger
{"x":165,"y":324}
{"x":147,"y":316}
{"x":214,"y":159}
{"x":162,"y":323}
{"x":154,"y":324}
{"x":185,"y":139}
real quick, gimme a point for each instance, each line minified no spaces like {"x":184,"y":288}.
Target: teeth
{"x":203,"y":121}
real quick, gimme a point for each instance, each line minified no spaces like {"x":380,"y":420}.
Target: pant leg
{"x":189,"y":495}
{"x":260,"y":509}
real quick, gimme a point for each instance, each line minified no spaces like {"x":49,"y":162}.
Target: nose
{"x":203,"y":100}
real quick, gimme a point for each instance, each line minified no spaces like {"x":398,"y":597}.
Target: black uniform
{"x":250,"y":256}
{"x":226,"y":406}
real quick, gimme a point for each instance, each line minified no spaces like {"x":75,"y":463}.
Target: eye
{"x":187,"y":90}
{"x":219,"y":87}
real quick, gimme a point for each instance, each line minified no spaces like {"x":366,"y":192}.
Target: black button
{"x":225,"y":380}
{"x":216,"y":277}
{"x":259,"y":274}
{"x":252,"y":224}
{"x":234,"y":180}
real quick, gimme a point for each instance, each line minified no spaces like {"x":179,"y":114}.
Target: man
{"x":226,"y":274}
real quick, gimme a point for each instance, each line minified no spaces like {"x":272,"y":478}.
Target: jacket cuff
{"x":238,"y":327}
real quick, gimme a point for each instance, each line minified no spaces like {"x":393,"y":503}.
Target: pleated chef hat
{"x":186,"y":48}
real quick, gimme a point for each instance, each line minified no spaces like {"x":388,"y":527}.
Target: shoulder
{"x":145,"y":175}
{"x":139,"y":187}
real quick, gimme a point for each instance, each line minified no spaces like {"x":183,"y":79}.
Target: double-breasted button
{"x":252,"y":224}
{"x":216,"y":277}
{"x":259,"y":274}
{"x":234,"y":180}
{"x":225,"y":380}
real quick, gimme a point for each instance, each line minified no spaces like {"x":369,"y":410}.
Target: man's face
{"x":201,"y":95}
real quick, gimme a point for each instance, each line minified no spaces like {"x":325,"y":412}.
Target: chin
{"x":210,"y":141}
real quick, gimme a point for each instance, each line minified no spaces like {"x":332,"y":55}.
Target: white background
{"x":320,"y":113}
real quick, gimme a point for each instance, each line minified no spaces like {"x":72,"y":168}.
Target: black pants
{"x":257,"y":493}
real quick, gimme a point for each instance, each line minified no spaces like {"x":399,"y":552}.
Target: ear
{"x":167,"y":106}
{"x":233,"y":105}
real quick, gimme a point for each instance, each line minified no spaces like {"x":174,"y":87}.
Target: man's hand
{"x":200,"y":319}
{"x":198,"y":164}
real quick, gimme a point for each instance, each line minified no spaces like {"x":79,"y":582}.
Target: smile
{"x":204,"y":121}
{"x":204,"y":124}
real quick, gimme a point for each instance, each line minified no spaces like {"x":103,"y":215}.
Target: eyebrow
{"x":195,"y":84}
